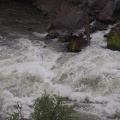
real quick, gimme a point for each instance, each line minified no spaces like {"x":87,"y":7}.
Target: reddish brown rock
{"x":76,"y":44}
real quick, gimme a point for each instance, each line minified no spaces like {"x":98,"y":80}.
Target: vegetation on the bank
{"x":17,"y":114}
{"x":47,"y":108}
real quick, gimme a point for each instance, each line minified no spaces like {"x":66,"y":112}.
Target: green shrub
{"x":52,"y":108}
{"x":47,"y":108}
{"x":16,"y":115}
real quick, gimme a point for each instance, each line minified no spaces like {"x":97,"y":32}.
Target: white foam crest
{"x":26,"y":73}
{"x":89,"y":77}
{"x":92,"y":65}
{"x":94,"y":74}
{"x":62,"y":90}
{"x":39,"y":35}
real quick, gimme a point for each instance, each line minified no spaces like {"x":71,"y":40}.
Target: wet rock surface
{"x":76,"y":44}
{"x":98,"y":26}
{"x":113,"y":41}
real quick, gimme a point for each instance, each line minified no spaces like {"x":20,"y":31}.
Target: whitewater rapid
{"x":90,"y":78}
{"x":31,"y":66}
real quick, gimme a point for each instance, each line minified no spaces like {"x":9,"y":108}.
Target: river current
{"x":30,"y":66}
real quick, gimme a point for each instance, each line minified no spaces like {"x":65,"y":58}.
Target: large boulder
{"x":113,"y":41}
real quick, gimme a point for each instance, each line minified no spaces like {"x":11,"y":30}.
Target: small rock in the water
{"x":52,"y":34}
{"x":76,"y":44}
{"x":113,"y":41}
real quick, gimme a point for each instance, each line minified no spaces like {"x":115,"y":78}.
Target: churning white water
{"x":29,"y":67}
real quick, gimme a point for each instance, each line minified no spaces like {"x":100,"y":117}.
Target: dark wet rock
{"x":53,"y":25}
{"x":106,"y":18}
{"x":113,"y":41}
{"x":30,"y":29}
{"x":75,"y":2}
{"x":50,"y":27}
{"x":106,"y":35}
{"x":76,"y":44}
{"x":64,"y":38}
{"x":106,"y":13}
{"x":98,"y":26}
{"x":70,"y":20}
{"x":52,"y":34}
{"x":98,"y":5}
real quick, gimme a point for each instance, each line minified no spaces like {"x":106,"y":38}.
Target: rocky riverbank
{"x":68,"y":16}
{"x":65,"y":17}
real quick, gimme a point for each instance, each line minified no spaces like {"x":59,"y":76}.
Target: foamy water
{"x":91,"y":77}
{"x":30,"y":66}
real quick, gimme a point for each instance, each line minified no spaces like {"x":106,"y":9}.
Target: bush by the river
{"x":47,"y":108}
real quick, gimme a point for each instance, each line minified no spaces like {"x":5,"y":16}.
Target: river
{"x":30,"y":66}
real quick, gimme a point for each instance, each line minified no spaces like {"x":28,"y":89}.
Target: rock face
{"x":113,"y":41}
{"x":106,"y":13}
